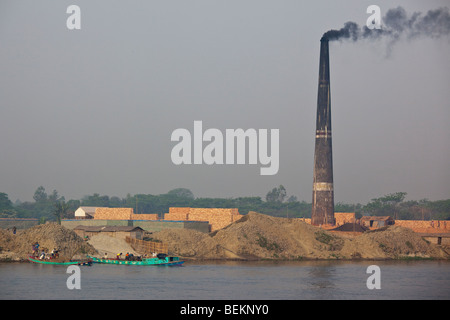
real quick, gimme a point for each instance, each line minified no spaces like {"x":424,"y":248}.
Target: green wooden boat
{"x":67,"y":263}
{"x":161,"y":260}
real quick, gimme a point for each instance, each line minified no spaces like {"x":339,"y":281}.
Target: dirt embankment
{"x":110,"y":246}
{"x":17,"y":247}
{"x":258,"y":236}
{"x":253,"y":237}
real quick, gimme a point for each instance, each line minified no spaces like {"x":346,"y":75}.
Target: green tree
{"x":276,"y":195}
{"x":54,"y":196}
{"x":40,"y":195}
{"x":388,"y":205}
{"x":5,"y":203}
{"x":6,"y":207}
{"x":182,"y":192}
{"x":60,"y":210}
{"x":42,"y":207}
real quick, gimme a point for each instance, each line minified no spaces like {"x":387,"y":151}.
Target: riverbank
{"x":17,"y":247}
{"x":254,"y":237}
{"x":258,"y":236}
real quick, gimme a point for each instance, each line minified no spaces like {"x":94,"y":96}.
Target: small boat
{"x":159,"y":260}
{"x":66,"y":263}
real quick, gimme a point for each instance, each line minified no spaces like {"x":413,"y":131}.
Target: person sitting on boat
{"x":105,"y":256}
{"x":119,"y":255}
{"x":127,"y":256}
{"x":55,"y":253}
{"x":42,"y":256}
{"x":36,"y":249}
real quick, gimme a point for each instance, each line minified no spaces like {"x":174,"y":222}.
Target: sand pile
{"x":110,"y":245}
{"x":351,"y":227}
{"x":395,"y":242}
{"x":49,"y":236}
{"x":191,"y":244}
{"x":258,"y":236}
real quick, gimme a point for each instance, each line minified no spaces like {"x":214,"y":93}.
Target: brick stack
{"x":421,"y":226}
{"x":344,"y":217}
{"x":113,"y":213}
{"x":122,"y":214}
{"x":144,"y":216}
{"x":218,"y":218}
{"x":181,"y":213}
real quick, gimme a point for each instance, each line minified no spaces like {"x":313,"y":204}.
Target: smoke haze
{"x":397,"y":23}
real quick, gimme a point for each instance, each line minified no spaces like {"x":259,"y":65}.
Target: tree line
{"x":54,"y":207}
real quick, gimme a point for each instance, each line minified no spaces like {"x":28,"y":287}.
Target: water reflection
{"x":321,"y":281}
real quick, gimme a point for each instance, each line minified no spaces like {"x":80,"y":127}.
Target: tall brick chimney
{"x":323,"y":193}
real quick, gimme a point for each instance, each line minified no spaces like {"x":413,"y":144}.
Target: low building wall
{"x":421,"y":226}
{"x":19,"y":223}
{"x":147,"y":225}
{"x":158,"y":225}
{"x":73,"y":223}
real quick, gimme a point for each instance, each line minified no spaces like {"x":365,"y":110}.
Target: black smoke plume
{"x":395,"y":24}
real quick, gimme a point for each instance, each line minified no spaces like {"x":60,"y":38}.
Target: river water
{"x":334,"y":280}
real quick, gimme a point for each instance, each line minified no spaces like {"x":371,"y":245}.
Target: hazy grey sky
{"x":92,"y":110}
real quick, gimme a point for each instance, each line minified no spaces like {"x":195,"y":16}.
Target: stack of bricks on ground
{"x":103,"y":213}
{"x":419,"y":226}
{"x":219,"y":218}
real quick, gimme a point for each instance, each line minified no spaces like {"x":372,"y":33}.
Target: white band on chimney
{"x":323,"y":186}
{"x":323,"y":134}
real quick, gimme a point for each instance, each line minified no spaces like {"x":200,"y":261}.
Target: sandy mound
{"x":111,"y":246}
{"x":258,"y":236}
{"x":49,"y":236}
{"x":191,"y":244}
{"x":352,"y":227}
{"x":396,"y":242}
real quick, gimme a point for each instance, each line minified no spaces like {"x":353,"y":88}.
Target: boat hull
{"x":68,"y":263}
{"x":167,"y":261}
